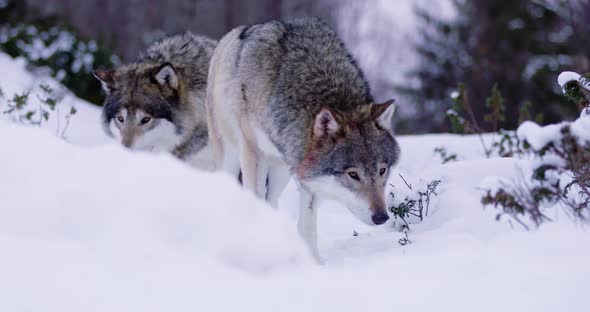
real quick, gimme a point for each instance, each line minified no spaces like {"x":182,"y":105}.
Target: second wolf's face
{"x":140,"y":106}
{"x":350,"y":161}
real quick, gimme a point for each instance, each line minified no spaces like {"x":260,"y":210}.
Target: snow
{"x":133,"y":208}
{"x":538,"y":136}
{"x":566,"y":77}
{"x":88,"y":226}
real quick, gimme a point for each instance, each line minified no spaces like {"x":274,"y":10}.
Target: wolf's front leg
{"x":307,"y":224}
{"x":278,"y":178}
{"x":253,"y":170}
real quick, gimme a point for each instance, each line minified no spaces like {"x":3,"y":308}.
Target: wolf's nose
{"x":380,"y":218}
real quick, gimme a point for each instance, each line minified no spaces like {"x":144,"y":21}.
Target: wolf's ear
{"x":166,"y":76}
{"x":383,"y":114}
{"x":106,"y":77}
{"x":325,"y":124}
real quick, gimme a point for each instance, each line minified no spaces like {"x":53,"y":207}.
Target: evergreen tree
{"x":521,"y":46}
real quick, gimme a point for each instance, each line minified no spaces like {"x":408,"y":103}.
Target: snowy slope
{"x":84,"y":129}
{"x":92,"y":227}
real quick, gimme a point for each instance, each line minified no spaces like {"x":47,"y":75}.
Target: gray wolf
{"x":287,"y":96}
{"x":157,"y":102}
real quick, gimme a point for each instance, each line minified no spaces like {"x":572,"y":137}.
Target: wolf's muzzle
{"x":380,"y":218}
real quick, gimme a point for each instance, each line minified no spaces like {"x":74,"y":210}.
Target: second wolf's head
{"x":349,"y":159}
{"x":143,"y":107}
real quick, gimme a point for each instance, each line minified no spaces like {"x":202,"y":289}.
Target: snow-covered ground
{"x":88,"y":226}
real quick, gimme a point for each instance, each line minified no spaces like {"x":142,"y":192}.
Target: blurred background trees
{"x":417,"y":51}
{"x":521,"y":46}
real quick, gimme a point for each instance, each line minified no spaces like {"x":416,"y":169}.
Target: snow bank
{"x":104,"y":229}
{"x":134,"y":205}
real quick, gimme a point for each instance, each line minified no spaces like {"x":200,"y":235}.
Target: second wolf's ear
{"x":383,"y":114}
{"x":106,"y":77}
{"x":166,"y":76}
{"x":325,"y":124}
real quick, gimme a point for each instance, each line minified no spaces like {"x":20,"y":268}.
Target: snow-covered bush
{"x":560,"y":173}
{"x":59,"y":51}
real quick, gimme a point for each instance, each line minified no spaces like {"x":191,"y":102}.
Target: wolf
{"x":157,"y":103}
{"x":287,"y":96}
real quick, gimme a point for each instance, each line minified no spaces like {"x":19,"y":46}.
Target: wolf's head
{"x":141,"y":107}
{"x":349,"y":159}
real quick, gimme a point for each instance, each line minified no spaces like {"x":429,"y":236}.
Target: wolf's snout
{"x":380,"y":218}
{"x":127,"y":143}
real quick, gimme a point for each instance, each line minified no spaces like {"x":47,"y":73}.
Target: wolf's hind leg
{"x":253,"y":177}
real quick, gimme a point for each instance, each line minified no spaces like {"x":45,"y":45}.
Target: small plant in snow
{"x":507,"y":144}
{"x":412,"y":205}
{"x":15,"y":108}
{"x":415,"y":204}
{"x":445,"y":156}
{"x":20,"y":110}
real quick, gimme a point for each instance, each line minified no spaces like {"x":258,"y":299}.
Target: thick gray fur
{"x":308,"y":68}
{"x":133,"y":86}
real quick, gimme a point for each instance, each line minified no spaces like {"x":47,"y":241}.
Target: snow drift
{"x":110,"y":200}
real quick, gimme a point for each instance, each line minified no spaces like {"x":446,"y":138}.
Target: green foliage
{"x":21,"y":111}
{"x":458,"y":124}
{"x":526,"y":115}
{"x":68,"y":57}
{"x":14,"y":107}
{"x":445,"y":156}
{"x":496,"y":108}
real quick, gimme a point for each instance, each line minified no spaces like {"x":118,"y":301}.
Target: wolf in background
{"x":157,"y":102}
{"x":287,"y":96}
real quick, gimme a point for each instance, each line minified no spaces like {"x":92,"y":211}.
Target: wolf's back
{"x":187,"y":53}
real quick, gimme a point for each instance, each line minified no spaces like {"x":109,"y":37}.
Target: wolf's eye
{"x":145,"y":120}
{"x":120,"y":119}
{"x":353,"y":175}
{"x":382,"y":171}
